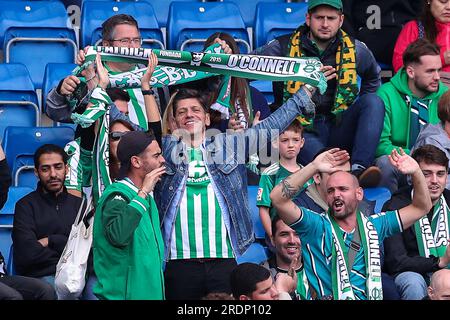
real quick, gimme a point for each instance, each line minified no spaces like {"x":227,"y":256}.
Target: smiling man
{"x":203,"y":199}
{"x":43,"y":218}
{"x":422,"y":249}
{"x":411,"y":101}
{"x":288,"y":255}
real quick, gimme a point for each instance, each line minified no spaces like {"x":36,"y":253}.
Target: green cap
{"x":332,"y":3}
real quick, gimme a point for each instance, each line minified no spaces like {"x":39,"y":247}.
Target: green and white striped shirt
{"x":199,"y":230}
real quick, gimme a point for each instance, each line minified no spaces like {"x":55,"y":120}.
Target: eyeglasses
{"x":116,"y":135}
{"x":128,"y":41}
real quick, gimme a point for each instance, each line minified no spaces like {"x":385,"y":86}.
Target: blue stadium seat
{"x":25,"y":177}
{"x":35,"y":33}
{"x":18,"y":98}
{"x":257,"y":224}
{"x":7,"y":217}
{"x":21,"y":154}
{"x":5,"y":240}
{"x":94,"y":13}
{"x":10,"y":263}
{"x":256,"y":253}
{"x":248,"y":9}
{"x":190,"y":23}
{"x":275,"y":19}
{"x":265,"y":87}
{"x":379,"y":195}
{"x":14,"y":195}
{"x":161,"y":8}
{"x":54,"y":73}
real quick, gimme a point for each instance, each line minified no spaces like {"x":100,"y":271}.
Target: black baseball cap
{"x":132,"y":144}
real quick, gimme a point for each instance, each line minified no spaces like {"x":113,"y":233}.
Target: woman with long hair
{"x":434,"y":25}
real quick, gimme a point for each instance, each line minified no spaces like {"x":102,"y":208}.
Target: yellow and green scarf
{"x":347,"y":88}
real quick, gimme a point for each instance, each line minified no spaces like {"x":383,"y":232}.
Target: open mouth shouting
{"x":338,"y":205}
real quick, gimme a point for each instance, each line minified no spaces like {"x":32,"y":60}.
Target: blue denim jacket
{"x":225,"y":156}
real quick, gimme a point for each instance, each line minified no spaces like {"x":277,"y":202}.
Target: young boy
{"x":289,"y":144}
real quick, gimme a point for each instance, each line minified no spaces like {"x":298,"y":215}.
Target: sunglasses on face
{"x":115,"y":135}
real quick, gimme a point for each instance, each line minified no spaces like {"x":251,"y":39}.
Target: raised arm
{"x":151,"y":107}
{"x":421,"y":201}
{"x":281,"y":196}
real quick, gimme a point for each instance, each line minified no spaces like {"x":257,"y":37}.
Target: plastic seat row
{"x":190,"y":22}
{"x":39,"y":32}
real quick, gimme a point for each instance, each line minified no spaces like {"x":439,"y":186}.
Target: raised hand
{"x":152,"y":178}
{"x":329,"y":72}
{"x":329,"y":161}
{"x":69,"y":85}
{"x":256,"y":119}
{"x":81,"y":56}
{"x":285,"y":282}
{"x":444,"y":261}
{"x":102,"y":72}
{"x":403,"y":162}
{"x":234,"y":123}
{"x":152,"y":63}
{"x":226,"y":48}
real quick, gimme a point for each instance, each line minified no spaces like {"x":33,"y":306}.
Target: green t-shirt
{"x":270,"y":177}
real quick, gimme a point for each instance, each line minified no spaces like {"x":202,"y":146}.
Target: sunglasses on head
{"x":115,"y":135}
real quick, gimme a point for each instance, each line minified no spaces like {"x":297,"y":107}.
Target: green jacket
{"x":397,"y":114}
{"x":128,"y":245}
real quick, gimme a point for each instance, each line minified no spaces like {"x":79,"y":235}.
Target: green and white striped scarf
{"x":340,"y":275}
{"x":190,"y":66}
{"x":432,"y":239}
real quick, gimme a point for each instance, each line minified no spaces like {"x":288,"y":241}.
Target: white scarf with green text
{"x":340,"y":277}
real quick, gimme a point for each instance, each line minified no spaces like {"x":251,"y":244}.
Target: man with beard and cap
{"x":128,"y":245}
{"x":43,"y":218}
{"x":349,"y":116}
{"x":341,"y":247}
{"x":417,"y":252}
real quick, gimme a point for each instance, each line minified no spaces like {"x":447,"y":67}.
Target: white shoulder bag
{"x":70,"y":277}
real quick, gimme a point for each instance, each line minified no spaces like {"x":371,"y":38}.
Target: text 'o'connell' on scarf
{"x":340,"y":274}
{"x":176,"y":67}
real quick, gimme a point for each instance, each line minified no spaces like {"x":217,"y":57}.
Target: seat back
{"x":190,"y":23}
{"x":7,"y":217}
{"x":18,"y":98}
{"x":35,"y":33}
{"x":256,"y":253}
{"x":10,"y":263}
{"x":161,"y":8}
{"x":379,"y":195}
{"x":265,"y":87}
{"x":25,"y":177}
{"x":260,"y":233}
{"x":94,"y":13}
{"x":21,"y":154}
{"x":54,"y":73}
{"x":248,"y":9}
{"x":275,"y":19}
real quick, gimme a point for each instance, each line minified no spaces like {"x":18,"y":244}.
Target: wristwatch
{"x":147,"y":92}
